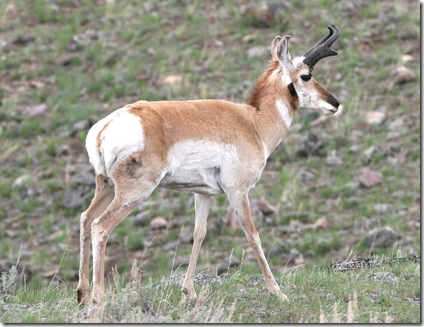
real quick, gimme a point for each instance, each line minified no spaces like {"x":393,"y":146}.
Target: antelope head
{"x":296,"y":73}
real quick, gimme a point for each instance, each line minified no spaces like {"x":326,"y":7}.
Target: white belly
{"x":194,"y":166}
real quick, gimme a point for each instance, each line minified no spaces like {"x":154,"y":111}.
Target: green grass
{"x":317,"y":294}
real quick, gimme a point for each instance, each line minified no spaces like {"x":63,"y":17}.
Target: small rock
{"x":186,"y":234}
{"x":80,"y":189}
{"x":370,"y":178}
{"x":334,"y":160}
{"x":225,"y":266}
{"x":321,"y":223}
{"x":82,"y":125}
{"x":382,"y":208}
{"x":263,"y":14}
{"x":181,"y":261}
{"x":375,"y":117}
{"x":158,"y":223}
{"x":36,"y":84}
{"x":384,"y":276}
{"x":241,"y":288}
{"x":396,"y":124}
{"x":258,"y":51}
{"x":170,"y":246}
{"x":74,"y":43}
{"x":255,"y":279}
{"x":370,"y":152}
{"x":66,"y":59}
{"x":172,"y":80}
{"x":401,"y":75}
{"x":141,"y":218}
{"x":206,"y":279}
{"x":381,"y":237}
{"x":266,"y":208}
{"x":339,"y":76}
{"x":249,"y":37}
{"x":310,"y":145}
{"x":292,"y":257}
{"x":23,"y":39}
{"x":406,"y":58}
{"x":36,"y":110}
{"x":20,"y":181}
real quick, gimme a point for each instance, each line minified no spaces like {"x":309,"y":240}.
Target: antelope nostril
{"x":333,"y":101}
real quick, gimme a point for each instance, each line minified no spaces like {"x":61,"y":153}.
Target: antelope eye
{"x":306,"y":77}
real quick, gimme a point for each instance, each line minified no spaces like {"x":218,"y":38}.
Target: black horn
{"x":322,"y":48}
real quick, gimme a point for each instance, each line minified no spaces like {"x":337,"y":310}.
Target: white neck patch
{"x":284,"y":111}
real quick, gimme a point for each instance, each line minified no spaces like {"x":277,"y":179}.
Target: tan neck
{"x":275,"y":107}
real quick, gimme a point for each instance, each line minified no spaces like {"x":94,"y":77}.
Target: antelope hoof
{"x":82,"y":296}
{"x":189,"y":293}
{"x":282,"y":296}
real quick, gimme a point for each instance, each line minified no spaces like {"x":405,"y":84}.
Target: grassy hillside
{"x":341,"y":188}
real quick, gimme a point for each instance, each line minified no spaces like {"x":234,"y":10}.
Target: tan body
{"x":208,"y":147}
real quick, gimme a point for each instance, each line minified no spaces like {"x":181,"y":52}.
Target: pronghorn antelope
{"x":207,"y":147}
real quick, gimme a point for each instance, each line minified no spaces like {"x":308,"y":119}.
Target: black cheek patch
{"x":292,"y":90}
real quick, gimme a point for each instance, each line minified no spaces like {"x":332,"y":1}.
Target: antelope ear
{"x":283,"y":53}
{"x":274,"y":46}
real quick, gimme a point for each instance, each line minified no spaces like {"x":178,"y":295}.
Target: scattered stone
{"x":307,"y":174}
{"x":255,"y":279}
{"x":181,"y":261}
{"x":172,"y":80}
{"x":74,"y":43}
{"x":382,"y":208}
{"x":80,"y":189}
{"x":36,"y":84}
{"x":266,"y":208}
{"x":206,"y":279}
{"x":334,"y":160}
{"x":396,"y":124}
{"x":375,"y":117}
{"x":225,"y":265}
{"x":384,"y":276}
{"x":321,"y":223}
{"x":369,"y":178}
{"x":186,"y":234}
{"x":310,"y":145}
{"x":32,"y":111}
{"x":406,"y":58}
{"x":23,"y":39}
{"x":158,"y":223}
{"x":370,"y":152}
{"x":292,"y":257}
{"x":263,"y":14}
{"x":401,"y":75}
{"x":141,"y":218}
{"x":171,"y":246}
{"x":22,"y":180}
{"x":241,"y":288}
{"x":66,"y":59}
{"x":249,"y":37}
{"x":257,"y":51}
{"x":381,"y":237}
{"x":82,"y":125}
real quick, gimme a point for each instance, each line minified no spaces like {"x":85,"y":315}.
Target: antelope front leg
{"x":202,"y":206}
{"x":240,"y":204}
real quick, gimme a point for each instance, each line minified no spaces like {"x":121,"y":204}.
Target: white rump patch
{"x":284,"y":111}
{"x":122,"y":136}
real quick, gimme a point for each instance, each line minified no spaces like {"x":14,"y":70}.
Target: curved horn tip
{"x":334,"y":28}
